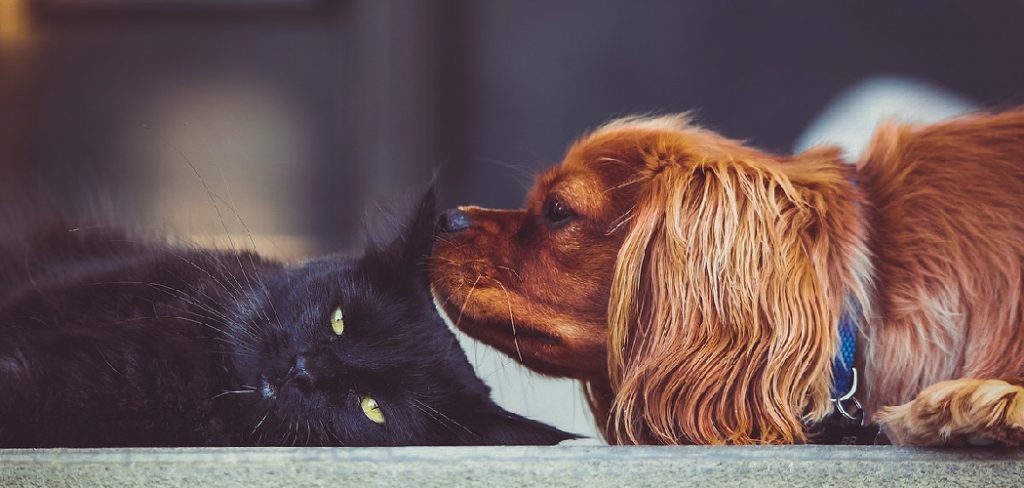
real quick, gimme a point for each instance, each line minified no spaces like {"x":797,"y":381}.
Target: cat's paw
{"x":959,"y":412}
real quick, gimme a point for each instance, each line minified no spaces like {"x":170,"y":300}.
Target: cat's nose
{"x":301,"y":374}
{"x":453,"y":220}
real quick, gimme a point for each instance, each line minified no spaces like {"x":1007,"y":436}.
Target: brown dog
{"x":695,"y":284}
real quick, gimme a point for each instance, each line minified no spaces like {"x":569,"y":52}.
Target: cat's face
{"x":351,"y":352}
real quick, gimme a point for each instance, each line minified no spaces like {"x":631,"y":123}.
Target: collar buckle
{"x":845,"y":425}
{"x":841,"y":402}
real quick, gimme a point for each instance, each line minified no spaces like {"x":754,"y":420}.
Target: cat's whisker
{"x":250,"y":325}
{"x":159,"y":286}
{"x":425,"y":412}
{"x":330,"y":433}
{"x":449,"y":419}
{"x":235,"y":291}
{"x":258,"y":424}
{"x":179,"y":294}
{"x":284,"y":437}
{"x":254,"y":329}
{"x":112,"y":366}
{"x":242,"y":346}
{"x":231,"y":205}
{"x":252,"y":291}
{"x":231,"y":392}
{"x":440,"y":422}
{"x":28,"y":271}
{"x":220,"y":217}
{"x":243,"y":342}
{"x":194,"y":299}
{"x":222,"y":286}
{"x":178,"y":317}
{"x":231,"y":280}
{"x":244,"y":303}
{"x":197,"y":318}
{"x":251,"y":331}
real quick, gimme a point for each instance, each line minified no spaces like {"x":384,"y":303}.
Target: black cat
{"x":105,"y":341}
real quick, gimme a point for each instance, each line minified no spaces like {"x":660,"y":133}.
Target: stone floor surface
{"x":496,"y":467}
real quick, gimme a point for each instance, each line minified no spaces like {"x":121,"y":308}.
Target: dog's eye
{"x":556,"y":211}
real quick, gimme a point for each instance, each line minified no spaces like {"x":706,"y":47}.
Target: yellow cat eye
{"x":338,"y":321}
{"x":371,"y":409}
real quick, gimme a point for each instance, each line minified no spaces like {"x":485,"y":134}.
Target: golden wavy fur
{"x":696,"y":284}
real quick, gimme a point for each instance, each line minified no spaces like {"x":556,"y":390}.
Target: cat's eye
{"x":338,"y":321}
{"x":371,"y":409}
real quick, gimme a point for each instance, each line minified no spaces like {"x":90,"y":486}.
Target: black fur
{"x":106,"y":341}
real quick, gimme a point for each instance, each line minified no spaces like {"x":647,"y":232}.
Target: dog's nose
{"x":453,"y":220}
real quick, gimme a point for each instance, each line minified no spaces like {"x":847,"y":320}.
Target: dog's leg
{"x":959,"y":412}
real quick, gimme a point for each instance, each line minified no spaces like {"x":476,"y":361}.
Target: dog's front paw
{"x":959,"y":412}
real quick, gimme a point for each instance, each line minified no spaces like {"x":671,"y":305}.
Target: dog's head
{"x":692,"y":278}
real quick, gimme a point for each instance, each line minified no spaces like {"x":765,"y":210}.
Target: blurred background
{"x":304,"y":117}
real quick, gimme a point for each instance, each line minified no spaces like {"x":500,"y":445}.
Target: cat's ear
{"x":417,"y":238}
{"x":408,"y":252}
{"x":497,"y":427}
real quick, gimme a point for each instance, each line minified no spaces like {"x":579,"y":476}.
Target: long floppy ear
{"x":725,"y":298}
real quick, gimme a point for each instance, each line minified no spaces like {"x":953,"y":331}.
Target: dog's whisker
{"x":445,"y":240}
{"x":512,"y":320}
{"x":624,"y":184}
{"x":510,"y":270}
{"x":612,"y":160}
{"x":469,"y":296}
{"x":621,"y":221}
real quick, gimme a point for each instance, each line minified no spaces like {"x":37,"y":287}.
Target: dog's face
{"x":692,"y":281}
{"x":534,"y":282}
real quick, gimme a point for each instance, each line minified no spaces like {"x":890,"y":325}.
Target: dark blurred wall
{"x":305,"y":112}
{"x":122,"y":99}
{"x":529,"y":76}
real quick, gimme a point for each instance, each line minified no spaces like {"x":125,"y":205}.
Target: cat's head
{"x":352,"y":352}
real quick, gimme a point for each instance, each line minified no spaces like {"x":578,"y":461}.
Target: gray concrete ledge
{"x":494,"y":467}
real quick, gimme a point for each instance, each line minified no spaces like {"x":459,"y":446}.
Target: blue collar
{"x":844,"y":376}
{"x":846,"y":424}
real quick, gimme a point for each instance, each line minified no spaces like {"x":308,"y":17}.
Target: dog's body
{"x":695,"y":284}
